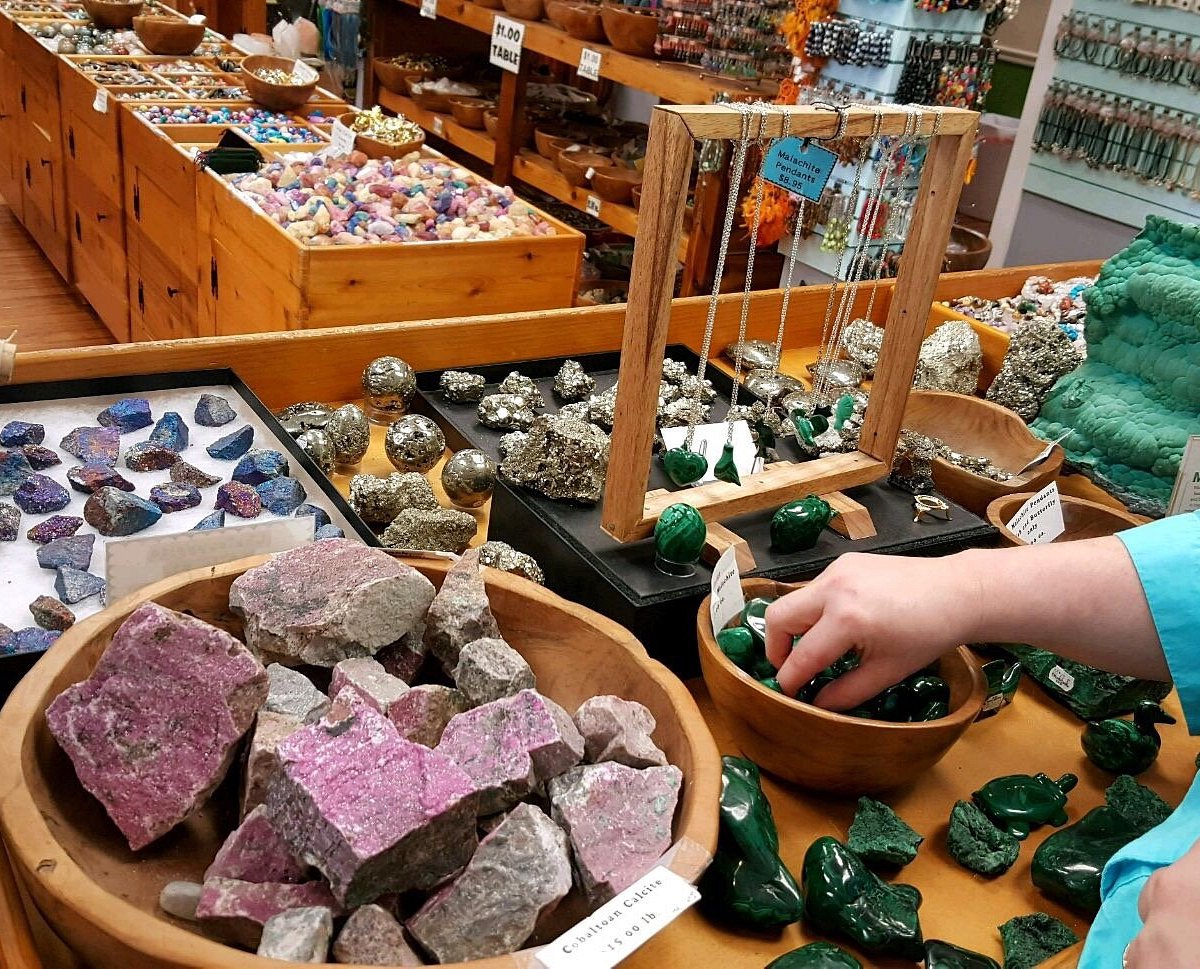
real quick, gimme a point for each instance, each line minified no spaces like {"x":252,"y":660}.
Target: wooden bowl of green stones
{"x":818,"y":749}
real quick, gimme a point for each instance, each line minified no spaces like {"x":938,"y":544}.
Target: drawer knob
{"x":173,"y":292}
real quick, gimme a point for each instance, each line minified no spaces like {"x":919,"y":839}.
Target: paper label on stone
{"x":727,"y":599}
{"x":1185,"y":496}
{"x":508,"y":37}
{"x":589,"y":64}
{"x":100,"y":101}
{"x":1062,"y":679}
{"x":615,"y":930}
{"x":342,"y":140}
{"x":132,"y":563}
{"x":1045,"y":452}
{"x":1040,"y":519}
{"x":800,"y":167}
{"x":709,"y":440}
{"x":429,"y":9}
{"x":593,"y":201}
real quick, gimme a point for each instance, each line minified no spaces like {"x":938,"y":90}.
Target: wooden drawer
{"x":160,"y":192}
{"x":101,"y":211}
{"x":44,"y":189}
{"x":162,"y":299}
{"x":94,"y":156}
{"x":11,"y":164}
{"x":77,"y":94}
{"x":104,"y":288}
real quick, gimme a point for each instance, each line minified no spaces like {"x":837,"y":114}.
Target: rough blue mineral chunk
{"x":130,"y":414}
{"x":317,"y":512}
{"x":10,"y":522}
{"x":75,"y":551}
{"x":112,"y":512}
{"x":174,"y":496}
{"x":74,"y":586}
{"x":281,"y":496}
{"x":93,"y":445}
{"x":329,"y":531}
{"x":90,"y":478}
{"x":19,"y":433}
{"x":150,"y":456}
{"x":40,"y":458}
{"x":259,"y":466}
{"x":31,"y":640}
{"x":232,"y":445}
{"x":14,"y":469}
{"x":171,"y":432}
{"x":39,"y":495}
{"x":207,"y":524}
{"x":213,"y":411}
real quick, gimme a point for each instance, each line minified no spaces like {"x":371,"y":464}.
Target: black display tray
{"x":584,"y":563}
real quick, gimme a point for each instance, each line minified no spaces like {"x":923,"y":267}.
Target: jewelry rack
{"x":629,"y":513}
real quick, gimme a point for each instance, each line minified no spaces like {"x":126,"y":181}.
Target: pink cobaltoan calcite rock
{"x":153,"y":730}
{"x":375,"y":813}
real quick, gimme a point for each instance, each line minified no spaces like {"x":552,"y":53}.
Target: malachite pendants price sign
{"x":508,"y":37}
{"x":799,"y":166}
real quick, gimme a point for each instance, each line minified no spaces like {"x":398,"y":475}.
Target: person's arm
{"x":1083,"y":600}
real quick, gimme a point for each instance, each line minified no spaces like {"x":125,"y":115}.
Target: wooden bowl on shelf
{"x":112,"y":13}
{"x":396,"y":78}
{"x":168,"y":35}
{"x":1082,"y":518}
{"x":469,"y":112}
{"x":524,"y":9}
{"x":966,"y":250}
{"x":374,"y":148}
{"x":825,"y":751}
{"x":582,"y":21}
{"x":616,"y":184}
{"x":525,"y":128}
{"x":630,"y":30}
{"x":102,"y":899}
{"x":971,"y":425}
{"x":575,"y":165}
{"x":549,"y":142}
{"x":277,"y":97}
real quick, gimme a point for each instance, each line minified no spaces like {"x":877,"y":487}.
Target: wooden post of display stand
{"x":629,"y":513}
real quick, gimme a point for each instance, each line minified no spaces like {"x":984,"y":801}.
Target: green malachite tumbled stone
{"x":797,"y":526}
{"x":1029,"y":940}
{"x":726,"y":468}
{"x":683,"y":465}
{"x":816,"y":955}
{"x":842,"y":896}
{"x":737,"y":644}
{"x":946,"y":955}
{"x":1126,"y":747}
{"x":771,"y":684}
{"x":679,"y":535}
{"x":747,"y":882}
{"x":754,"y":618}
{"x":1018,"y":803}
{"x":1067,"y":865}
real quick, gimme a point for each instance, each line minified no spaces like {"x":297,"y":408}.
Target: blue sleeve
{"x":1166,"y":554}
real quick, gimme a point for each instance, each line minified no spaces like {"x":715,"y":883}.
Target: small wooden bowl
{"x":582,"y":21}
{"x":825,"y":751}
{"x":630,"y":29}
{"x":525,"y":9}
{"x":525,"y":129}
{"x":1082,"y":518}
{"x":616,"y":184}
{"x":468,"y":112}
{"x":168,"y":35}
{"x":574,"y":165}
{"x":102,"y":899}
{"x":112,"y":13}
{"x":394,"y":78}
{"x":966,"y":250}
{"x":549,"y":142}
{"x":978,"y":427}
{"x":373,"y":148}
{"x":277,"y":97}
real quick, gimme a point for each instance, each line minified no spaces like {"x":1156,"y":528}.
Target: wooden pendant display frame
{"x":629,"y":512}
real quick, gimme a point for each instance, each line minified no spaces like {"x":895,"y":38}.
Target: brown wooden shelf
{"x":477,"y":143}
{"x":671,"y":82}
{"x":540,"y":172}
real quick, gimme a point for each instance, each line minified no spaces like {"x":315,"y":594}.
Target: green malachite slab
{"x":1123,"y":746}
{"x":683,"y":465}
{"x":1018,"y":803}
{"x":946,"y":955}
{"x":747,"y":882}
{"x":797,"y":526}
{"x":816,"y":955}
{"x":726,"y":468}
{"x":842,"y":896}
{"x":679,"y":534}
{"x":1067,"y":865}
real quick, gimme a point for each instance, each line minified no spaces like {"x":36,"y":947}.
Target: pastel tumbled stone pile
{"x":356,"y":201}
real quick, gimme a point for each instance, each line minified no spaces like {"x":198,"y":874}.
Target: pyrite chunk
{"x":560,"y":457}
{"x":460,"y":387}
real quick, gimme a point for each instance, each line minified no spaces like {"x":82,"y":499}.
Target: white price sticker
{"x":1185,"y":496}
{"x":429,"y":9}
{"x":589,"y":64}
{"x":615,"y":930}
{"x":100,"y":101}
{"x":1061,"y":678}
{"x":439,"y":125}
{"x":508,"y":37}
{"x":1040,"y":519}
{"x":593,"y":205}
{"x":342,"y":140}
{"x":727,"y":599}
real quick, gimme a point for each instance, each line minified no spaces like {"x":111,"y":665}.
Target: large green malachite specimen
{"x":1029,"y":940}
{"x":843,"y":897}
{"x":797,"y":526}
{"x":816,"y":955}
{"x":1018,"y":803}
{"x":881,"y":837}
{"x":747,"y":882}
{"x":1067,"y":865}
{"x":946,"y":955}
{"x":1123,"y":746}
{"x":975,"y":843}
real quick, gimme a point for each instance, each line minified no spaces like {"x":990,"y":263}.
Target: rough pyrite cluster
{"x":560,"y":457}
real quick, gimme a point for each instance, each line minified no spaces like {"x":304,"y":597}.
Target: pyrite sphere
{"x":350,"y":432}
{"x":318,"y":445}
{"x":469,"y":478}
{"x":388,"y":385}
{"x":414,"y":443}
{"x":679,"y":539}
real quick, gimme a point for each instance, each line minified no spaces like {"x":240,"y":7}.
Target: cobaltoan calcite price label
{"x":508,"y":37}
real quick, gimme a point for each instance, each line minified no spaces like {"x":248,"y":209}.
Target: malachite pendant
{"x":725,"y":468}
{"x":804,"y":428}
{"x":797,"y":526}
{"x":766,"y":438}
{"x":679,"y":538}
{"x":684,"y":466}
{"x":843,"y":411}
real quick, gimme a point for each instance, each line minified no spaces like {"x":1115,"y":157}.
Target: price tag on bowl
{"x":508,"y":37}
{"x":727,"y":599}
{"x":589,"y":64}
{"x":1040,"y":519}
{"x":1185,"y":496}
{"x":342,"y":140}
{"x":800,"y":167}
{"x":429,"y":9}
{"x":100,"y":101}
{"x":593,"y":206}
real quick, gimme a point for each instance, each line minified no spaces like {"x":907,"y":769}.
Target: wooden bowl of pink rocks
{"x":102,"y":898}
